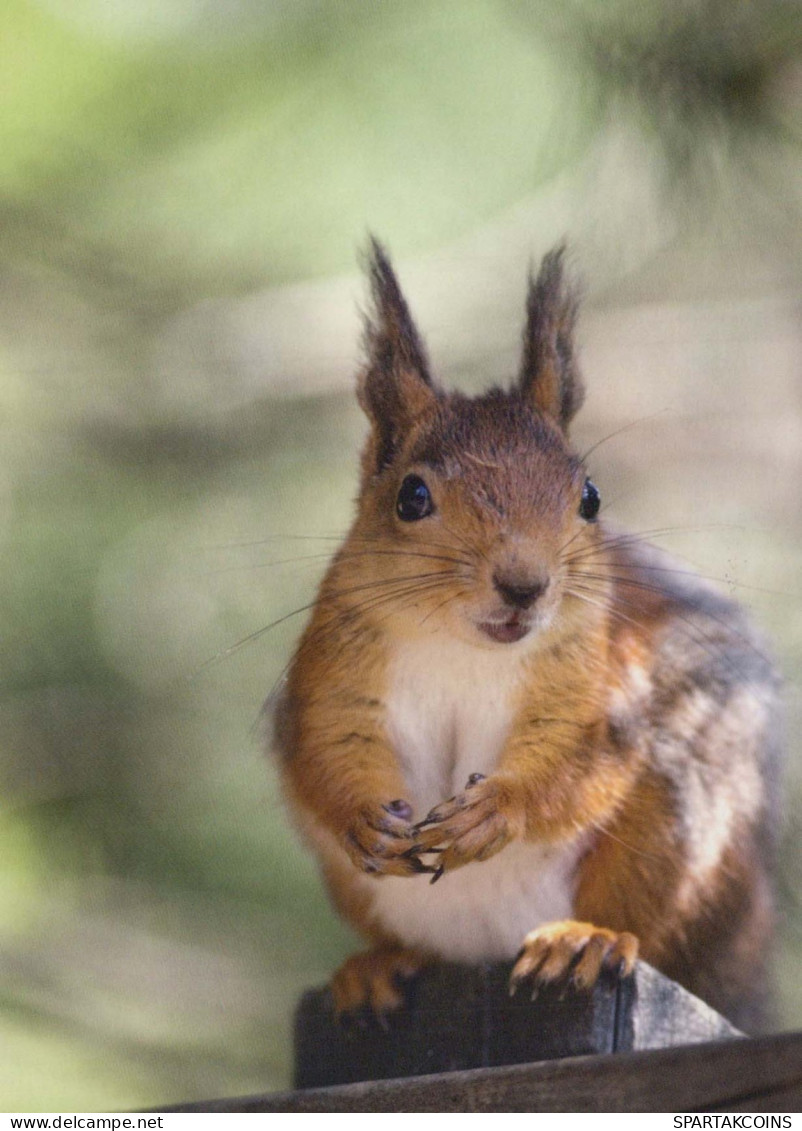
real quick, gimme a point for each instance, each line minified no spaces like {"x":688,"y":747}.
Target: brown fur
{"x":644,"y":721}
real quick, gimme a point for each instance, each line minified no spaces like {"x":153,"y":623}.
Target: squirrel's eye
{"x":414,"y":500}
{"x":591,"y":501}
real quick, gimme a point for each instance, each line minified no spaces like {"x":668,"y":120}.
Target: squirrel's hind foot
{"x":576,"y":952}
{"x":370,"y":985}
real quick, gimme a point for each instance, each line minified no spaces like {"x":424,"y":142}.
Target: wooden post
{"x":462,"y":1017}
{"x":673,"y":1053}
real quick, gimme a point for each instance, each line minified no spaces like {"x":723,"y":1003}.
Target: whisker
{"x":695,"y":633}
{"x":267,"y":565}
{"x":645,"y":586}
{"x":639,"y":537}
{"x":452,"y":559}
{"x":249,"y":639}
{"x":692,"y":573}
{"x":603,"y":604}
{"x":619,"y":431}
{"x":338,"y":538}
{"x":710,"y":644}
{"x":334,"y":594}
{"x":622,"y":540}
{"x":411,"y":601}
{"x":577,"y":534}
{"x":582,"y":593}
{"x":624,"y":844}
{"x":464,"y":541}
{"x":352,"y":613}
{"x":334,"y":625}
{"x":437,"y":608}
{"x":274,"y":538}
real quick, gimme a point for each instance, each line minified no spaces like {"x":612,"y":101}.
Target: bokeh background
{"x":185,"y":186}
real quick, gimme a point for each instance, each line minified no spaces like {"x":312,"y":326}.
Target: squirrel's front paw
{"x":381,"y":841}
{"x":474,"y":825}
{"x":576,"y":952}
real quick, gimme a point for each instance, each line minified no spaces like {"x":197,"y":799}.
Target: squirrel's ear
{"x":395,"y":387}
{"x":549,"y":374}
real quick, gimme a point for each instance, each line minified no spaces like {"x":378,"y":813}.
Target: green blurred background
{"x":185,"y":186}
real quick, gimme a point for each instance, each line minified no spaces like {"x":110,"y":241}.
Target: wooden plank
{"x":764,"y":1074}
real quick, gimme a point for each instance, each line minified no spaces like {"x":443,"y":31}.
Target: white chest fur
{"x":449,"y":711}
{"x":450,"y":708}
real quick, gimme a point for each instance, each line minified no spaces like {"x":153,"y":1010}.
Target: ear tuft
{"x":549,"y":374}
{"x":391,"y":337}
{"x":395,"y":387}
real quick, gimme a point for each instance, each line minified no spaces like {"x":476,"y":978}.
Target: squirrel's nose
{"x":519,"y":592}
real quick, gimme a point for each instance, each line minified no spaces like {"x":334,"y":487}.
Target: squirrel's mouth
{"x":508,"y":631}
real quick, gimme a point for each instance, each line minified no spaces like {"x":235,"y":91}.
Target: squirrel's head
{"x":473,"y":512}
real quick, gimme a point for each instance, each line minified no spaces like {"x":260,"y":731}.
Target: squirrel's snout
{"x":519,"y":592}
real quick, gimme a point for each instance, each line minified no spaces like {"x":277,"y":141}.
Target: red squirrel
{"x":568,"y":732}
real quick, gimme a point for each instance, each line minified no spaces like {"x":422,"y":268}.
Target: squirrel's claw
{"x":458,"y":802}
{"x":472,"y":826}
{"x":426,"y":869}
{"x":382,"y":842}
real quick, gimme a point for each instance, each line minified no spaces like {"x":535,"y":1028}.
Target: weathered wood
{"x":764,"y":1074}
{"x":461,"y":1017}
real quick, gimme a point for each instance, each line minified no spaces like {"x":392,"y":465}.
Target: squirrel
{"x":572,"y":735}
